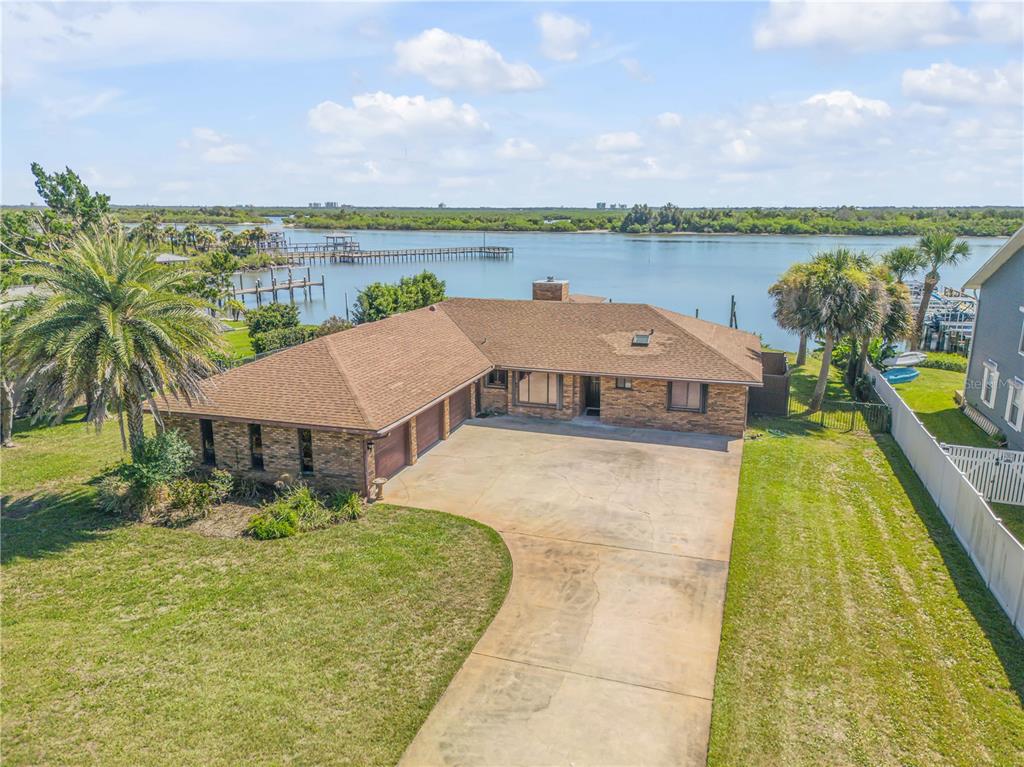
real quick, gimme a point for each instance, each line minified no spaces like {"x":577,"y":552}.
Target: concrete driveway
{"x":604,"y":651}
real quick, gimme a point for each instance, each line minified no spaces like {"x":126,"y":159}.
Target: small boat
{"x":901,"y":375}
{"x":905,"y":360}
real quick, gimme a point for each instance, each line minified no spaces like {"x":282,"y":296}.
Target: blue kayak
{"x":900,"y":375}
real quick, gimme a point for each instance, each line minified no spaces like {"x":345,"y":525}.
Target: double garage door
{"x":391,"y":450}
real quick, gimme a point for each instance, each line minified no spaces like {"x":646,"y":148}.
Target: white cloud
{"x":518,"y":149}
{"x":561,"y":36}
{"x":669,"y":120}
{"x":79,"y":106}
{"x":451,"y":62}
{"x":947,"y":83}
{"x":635,"y":70}
{"x":375,"y":114}
{"x":623,"y":141}
{"x":216,"y":148}
{"x":849,"y":107}
{"x":227,"y":154}
{"x":863,"y":26}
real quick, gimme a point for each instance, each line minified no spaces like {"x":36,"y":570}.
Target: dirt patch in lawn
{"x":228,"y":520}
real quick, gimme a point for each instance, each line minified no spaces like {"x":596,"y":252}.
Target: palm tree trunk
{"x":7,"y":408}
{"x":826,"y":363}
{"x":851,"y":363}
{"x":862,"y":362}
{"x":801,"y":352}
{"x":136,"y":424}
{"x":930,"y":281}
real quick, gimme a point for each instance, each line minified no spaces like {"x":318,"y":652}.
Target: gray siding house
{"x":995,"y":371}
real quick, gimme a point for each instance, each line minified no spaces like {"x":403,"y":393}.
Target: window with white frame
{"x":534,"y":388}
{"x":1020,"y":346}
{"x":989,"y":383}
{"x":1014,"y":403}
{"x":623,"y":383}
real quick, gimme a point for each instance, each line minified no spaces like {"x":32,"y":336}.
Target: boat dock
{"x":344,"y":249}
{"x":304,"y":286}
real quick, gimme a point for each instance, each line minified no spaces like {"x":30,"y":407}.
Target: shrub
{"x":160,"y":460}
{"x":943,"y":361}
{"x":267,"y":526}
{"x":332,"y":324}
{"x":188,"y":500}
{"x":245,"y":488}
{"x":296,"y":509}
{"x":114,"y":495}
{"x":272,"y":317}
{"x":278,"y":339}
{"x":221,"y":484}
{"x":346,"y":506}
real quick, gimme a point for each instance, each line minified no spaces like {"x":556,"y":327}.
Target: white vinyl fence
{"x":998,"y":474}
{"x":998,"y":556}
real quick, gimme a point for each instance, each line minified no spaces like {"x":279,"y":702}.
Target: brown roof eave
{"x":632,"y":375}
{"x":441,"y":398}
{"x":265,"y":422}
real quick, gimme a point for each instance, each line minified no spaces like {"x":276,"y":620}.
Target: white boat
{"x":905,"y":360}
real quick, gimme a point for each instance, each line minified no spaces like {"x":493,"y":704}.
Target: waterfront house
{"x":994,"y":389}
{"x":353,"y":406}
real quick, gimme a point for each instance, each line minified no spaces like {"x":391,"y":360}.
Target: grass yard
{"x":238,"y":340}
{"x":930,"y":396}
{"x":126,"y":644}
{"x":856,"y":630}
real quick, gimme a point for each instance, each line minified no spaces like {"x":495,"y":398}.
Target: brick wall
{"x":646,"y":405}
{"x":556,"y":290}
{"x":568,"y":410}
{"x":337,"y":457}
{"x":493,"y":400}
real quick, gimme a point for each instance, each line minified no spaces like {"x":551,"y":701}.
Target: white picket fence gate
{"x":997,"y":474}
{"x":997,"y":555}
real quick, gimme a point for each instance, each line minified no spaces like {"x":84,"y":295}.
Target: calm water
{"x":683,"y":273}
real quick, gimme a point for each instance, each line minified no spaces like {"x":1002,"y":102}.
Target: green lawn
{"x":238,"y":340}
{"x":856,"y":630}
{"x":930,"y":396}
{"x":129,"y":644}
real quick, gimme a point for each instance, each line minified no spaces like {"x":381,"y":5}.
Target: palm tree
{"x":843,"y":304}
{"x":939,"y":249}
{"x":117,"y":329}
{"x":904,"y":261}
{"x":793,"y":310}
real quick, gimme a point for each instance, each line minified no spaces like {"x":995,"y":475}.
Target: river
{"x":680,"y":272}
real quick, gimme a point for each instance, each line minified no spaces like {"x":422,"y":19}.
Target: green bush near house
{"x":282,"y":337}
{"x":945,"y":361}
{"x":296,"y":510}
{"x":272,"y":317}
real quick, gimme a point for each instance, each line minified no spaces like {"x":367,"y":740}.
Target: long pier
{"x":300,"y":255}
{"x":304,"y":286}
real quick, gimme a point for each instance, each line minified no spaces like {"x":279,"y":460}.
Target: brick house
{"x":363,"y":403}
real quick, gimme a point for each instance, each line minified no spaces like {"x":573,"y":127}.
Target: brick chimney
{"x":551,"y":290}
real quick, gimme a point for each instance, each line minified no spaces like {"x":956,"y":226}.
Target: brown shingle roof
{"x":374,"y":375}
{"x":598,"y":338}
{"x":366,"y":378}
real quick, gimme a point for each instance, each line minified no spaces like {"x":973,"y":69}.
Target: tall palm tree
{"x":793,"y":310}
{"x":940,"y":249}
{"x":117,"y":329}
{"x":904,"y":261}
{"x":843,"y":304}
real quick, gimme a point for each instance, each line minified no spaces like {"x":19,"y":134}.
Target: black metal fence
{"x":840,"y":415}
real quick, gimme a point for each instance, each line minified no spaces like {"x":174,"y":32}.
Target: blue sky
{"x":519,"y":104}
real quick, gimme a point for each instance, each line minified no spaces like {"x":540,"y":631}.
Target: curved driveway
{"x":604,"y":651}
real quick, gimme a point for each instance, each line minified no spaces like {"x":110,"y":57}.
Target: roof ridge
{"x":344,"y":377}
{"x":665,"y":314}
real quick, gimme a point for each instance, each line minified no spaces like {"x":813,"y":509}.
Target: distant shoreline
{"x":641,"y":235}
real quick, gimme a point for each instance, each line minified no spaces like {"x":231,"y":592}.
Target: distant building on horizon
{"x":602,"y":205}
{"x":330,"y":205}
{"x":315,"y":205}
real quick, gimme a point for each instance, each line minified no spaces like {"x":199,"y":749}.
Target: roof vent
{"x":642,"y":339}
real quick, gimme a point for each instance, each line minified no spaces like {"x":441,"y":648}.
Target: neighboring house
{"x":995,"y":371}
{"x":363,"y":403}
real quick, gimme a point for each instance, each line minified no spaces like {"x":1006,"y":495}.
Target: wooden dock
{"x":304,"y":286}
{"x":301,"y":255}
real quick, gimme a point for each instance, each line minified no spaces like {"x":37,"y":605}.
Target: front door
{"x":591,"y":387}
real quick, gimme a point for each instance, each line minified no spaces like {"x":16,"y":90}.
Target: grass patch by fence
{"x":856,"y":629}
{"x":930,"y":396}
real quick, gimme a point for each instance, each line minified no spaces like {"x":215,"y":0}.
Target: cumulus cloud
{"x":452,"y":62}
{"x":635,"y":70}
{"x":669,"y":120}
{"x":375,"y":114}
{"x":848,"y":106}
{"x":624,"y":141}
{"x":216,"y":148}
{"x":947,"y":83}
{"x":518,"y":149}
{"x":561,"y":36}
{"x":863,"y":26}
